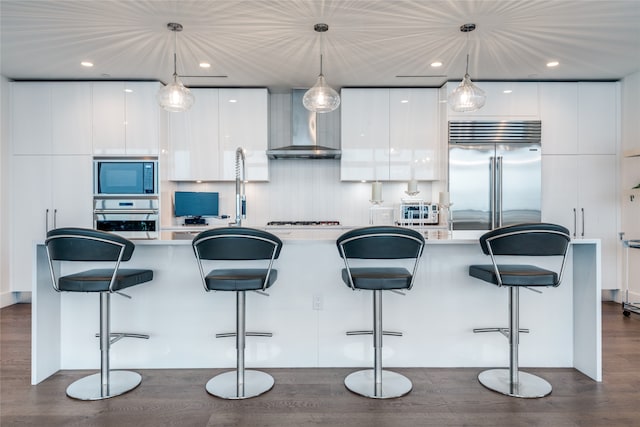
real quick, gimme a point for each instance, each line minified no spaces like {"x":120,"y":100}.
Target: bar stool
{"x":533,"y":239}
{"x":79,"y":244}
{"x":238,"y":244}
{"x":379,"y":243}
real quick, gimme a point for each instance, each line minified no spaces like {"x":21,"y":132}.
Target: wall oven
{"x":131,"y":218}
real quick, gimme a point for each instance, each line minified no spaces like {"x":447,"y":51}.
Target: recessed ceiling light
{"x":507,"y":91}
{"x":86,"y":64}
{"x":205,"y":65}
{"x":552,"y":64}
{"x":436,"y":64}
{"x":128,"y":90}
{"x":404,"y":101}
{"x":233,"y":101}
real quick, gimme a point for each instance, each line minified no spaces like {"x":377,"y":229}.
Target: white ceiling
{"x":272,"y":43}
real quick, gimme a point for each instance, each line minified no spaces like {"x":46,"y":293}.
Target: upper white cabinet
{"x":126,"y":118}
{"x":504,"y":100}
{"x":579,"y":118}
{"x":244,"y":123}
{"x":51,"y":118}
{"x":203,"y":140}
{"x":389,"y":134}
{"x":364,"y":134}
{"x":193,"y":139}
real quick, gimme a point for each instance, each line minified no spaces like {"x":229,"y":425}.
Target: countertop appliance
{"x":308,"y":130}
{"x":287,"y":223}
{"x":494,"y":173}
{"x":417,"y":213}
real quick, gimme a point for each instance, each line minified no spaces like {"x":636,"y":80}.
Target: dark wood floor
{"x":309,"y":397}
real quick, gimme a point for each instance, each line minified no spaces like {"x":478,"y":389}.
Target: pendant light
{"x":321,"y":98}
{"x":175,"y":97}
{"x":467,"y":96}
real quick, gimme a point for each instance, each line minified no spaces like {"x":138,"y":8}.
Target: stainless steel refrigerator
{"x":494,"y":173}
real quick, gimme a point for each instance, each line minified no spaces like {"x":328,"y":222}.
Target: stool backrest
{"x":530,"y":239}
{"x":236,"y":244}
{"x":83,"y":244}
{"x":381,"y":242}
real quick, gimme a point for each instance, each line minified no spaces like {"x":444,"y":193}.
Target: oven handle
{"x":123,"y":211}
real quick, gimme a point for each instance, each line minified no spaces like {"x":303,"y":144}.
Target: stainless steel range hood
{"x":306,"y":131}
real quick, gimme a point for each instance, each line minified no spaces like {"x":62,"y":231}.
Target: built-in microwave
{"x":125,"y":177}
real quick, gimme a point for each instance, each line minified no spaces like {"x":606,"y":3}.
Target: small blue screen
{"x":195,"y":203}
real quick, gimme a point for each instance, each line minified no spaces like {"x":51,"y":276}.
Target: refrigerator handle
{"x":492,"y":191}
{"x":499,"y":191}
{"x":582,"y":211}
{"x":575,"y":222}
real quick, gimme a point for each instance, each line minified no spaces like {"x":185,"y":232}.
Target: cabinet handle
{"x":46,"y":221}
{"x":55,"y":218}
{"x":575,"y":222}
{"x":582,"y":209}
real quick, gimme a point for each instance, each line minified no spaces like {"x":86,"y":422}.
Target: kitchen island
{"x":309,"y":310}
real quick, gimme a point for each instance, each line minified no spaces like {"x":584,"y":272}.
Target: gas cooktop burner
{"x":304,"y":223}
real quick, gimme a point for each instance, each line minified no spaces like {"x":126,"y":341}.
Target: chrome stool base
{"x":392,"y":384}
{"x":90,"y":388}
{"x":528,"y":386}
{"x":225,"y":385}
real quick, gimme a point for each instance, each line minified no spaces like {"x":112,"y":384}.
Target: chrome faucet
{"x":241,"y":198}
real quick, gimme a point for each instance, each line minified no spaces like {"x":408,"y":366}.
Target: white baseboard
{"x":10,"y":298}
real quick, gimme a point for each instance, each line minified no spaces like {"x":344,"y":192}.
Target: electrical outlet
{"x":317,"y":302}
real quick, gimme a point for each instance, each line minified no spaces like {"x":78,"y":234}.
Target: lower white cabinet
{"x":49,"y":192}
{"x":579,"y":192}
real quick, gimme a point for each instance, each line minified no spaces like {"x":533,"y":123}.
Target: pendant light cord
{"x":175,"y":54}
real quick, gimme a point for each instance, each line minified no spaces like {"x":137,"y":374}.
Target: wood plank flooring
{"x":317,"y":397}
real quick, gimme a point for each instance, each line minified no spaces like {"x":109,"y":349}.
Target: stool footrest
{"x":503,"y":331}
{"x":117,"y":336}
{"x":390,"y":333}
{"x":247,"y":334}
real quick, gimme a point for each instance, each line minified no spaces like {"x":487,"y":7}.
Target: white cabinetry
{"x":389,"y":134}
{"x":579,"y":118}
{"x":243,"y":123}
{"x":579,"y":142}
{"x":49,"y":192}
{"x":515,"y":100}
{"x":51,"y":118}
{"x":579,"y":193}
{"x":126,"y":118}
{"x":203,"y":140}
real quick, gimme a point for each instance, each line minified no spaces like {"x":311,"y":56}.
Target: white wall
{"x":5,"y":294}
{"x":630,"y":176}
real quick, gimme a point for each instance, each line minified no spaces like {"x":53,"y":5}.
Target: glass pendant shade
{"x":321,"y":98}
{"x":466,"y":97}
{"x":175,"y":97}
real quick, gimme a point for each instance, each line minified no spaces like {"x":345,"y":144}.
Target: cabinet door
{"x":142,"y":113}
{"x":108,"y":114}
{"x":31,"y":213}
{"x":504,"y":99}
{"x":193,"y":140}
{"x":31,"y":120}
{"x":364,"y":134}
{"x":597,"y":202}
{"x":71,"y":118}
{"x":72,"y":191}
{"x":597,"y":118}
{"x":560,"y":192}
{"x":243,"y":115}
{"x":413,"y":134}
{"x":559,"y":116}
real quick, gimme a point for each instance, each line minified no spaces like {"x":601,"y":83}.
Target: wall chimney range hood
{"x":305,"y":134}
